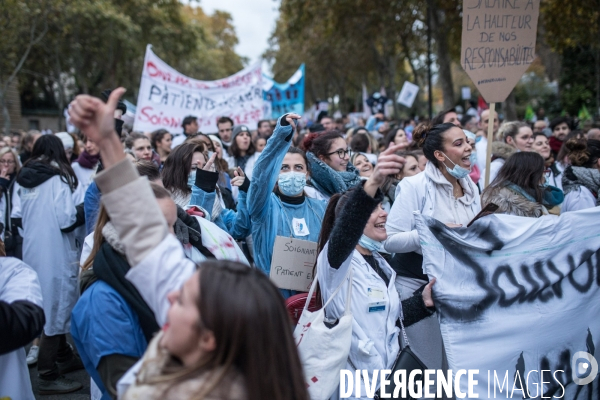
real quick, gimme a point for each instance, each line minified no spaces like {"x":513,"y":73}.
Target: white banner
{"x":167,"y":96}
{"x":518,"y":300}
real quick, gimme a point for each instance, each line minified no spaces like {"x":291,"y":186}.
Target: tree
{"x":446,"y":28}
{"x":345,"y":43}
{"x":573,"y":28}
{"x":92,"y":46}
{"x":23,"y":25}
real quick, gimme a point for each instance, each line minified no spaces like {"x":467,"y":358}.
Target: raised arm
{"x":266,"y":169}
{"x":123,"y":190}
{"x":350,"y":224}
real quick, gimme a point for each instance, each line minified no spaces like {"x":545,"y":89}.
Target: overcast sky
{"x":254,"y":20}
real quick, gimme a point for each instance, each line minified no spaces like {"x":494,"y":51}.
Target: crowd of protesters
{"x":154,"y":249}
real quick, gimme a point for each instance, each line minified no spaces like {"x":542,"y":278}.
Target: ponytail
{"x":430,"y":138}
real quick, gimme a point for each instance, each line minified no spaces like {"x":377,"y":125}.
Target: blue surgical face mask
{"x":478,"y":139}
{"x":458,"y":172}
{"x":191,"y":178}
{"x":473,"y":158}
{"x":291,"y":183}
{"x":370,"y":244}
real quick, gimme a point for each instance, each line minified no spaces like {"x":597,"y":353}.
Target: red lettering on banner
{"x":246,"y":79}
{"x":147,"y":115}
{"x":246,"y":118}
{"x":154,"y":72}
{"x":152,"y":69}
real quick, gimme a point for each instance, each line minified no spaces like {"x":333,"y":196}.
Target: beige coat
{"x":155,"y":358}
{"x":142,"y":233}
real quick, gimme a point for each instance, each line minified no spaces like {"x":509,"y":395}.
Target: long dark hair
{"x":525,"y":169}
{"x":178,"y":165}
{"x":234,"y":149}
{"x":253,"y":331}
{"x":48,"y":149}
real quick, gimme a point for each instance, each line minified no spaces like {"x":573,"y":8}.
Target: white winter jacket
{"x":431,"y":194}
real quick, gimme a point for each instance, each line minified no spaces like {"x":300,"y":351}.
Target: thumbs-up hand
{"x":94,"y":117}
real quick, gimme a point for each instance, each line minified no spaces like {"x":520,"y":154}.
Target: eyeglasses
{"x":7,"y":162}
{"x":341,"y":153}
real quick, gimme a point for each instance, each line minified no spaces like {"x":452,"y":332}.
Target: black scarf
{"x":289,"y":199}
{"x":111,"y":267}
{"x":35,"y":173}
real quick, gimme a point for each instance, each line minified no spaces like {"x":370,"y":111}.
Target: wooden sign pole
{"x":490,"y":139}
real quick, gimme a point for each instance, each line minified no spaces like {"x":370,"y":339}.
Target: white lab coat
{"x":481,"y":149}
{"x":374,"y":334}
{"x":45,"y":210}
{"x":17,"y":282}
{"x":84,"y":175}
{"x":494,"y":169}
{"x":579,"y":199}
{"x":4,"y":213}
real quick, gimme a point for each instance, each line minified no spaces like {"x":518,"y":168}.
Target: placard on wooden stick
{"x":498,"y":45}
{"x":292,"y":263}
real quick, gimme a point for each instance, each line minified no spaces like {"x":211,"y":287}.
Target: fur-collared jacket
{"x":512,"y":202}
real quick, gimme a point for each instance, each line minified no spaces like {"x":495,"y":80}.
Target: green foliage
{"x":577,"y":80}
{"x":573,"y":30}
{"x":571,"y":23}
{"x":345,"y":43}
{"x":94,"y":45}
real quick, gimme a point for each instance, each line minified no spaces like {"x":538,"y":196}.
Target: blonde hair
{"x":6,"y":150}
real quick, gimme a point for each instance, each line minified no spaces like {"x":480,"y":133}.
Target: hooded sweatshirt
{"x":431,"y":194}
{"x":35,"y":173}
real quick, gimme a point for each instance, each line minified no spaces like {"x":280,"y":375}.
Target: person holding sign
{"x":352,"y":234}
{"x":285,"y":212}
{"x":283,"y":221}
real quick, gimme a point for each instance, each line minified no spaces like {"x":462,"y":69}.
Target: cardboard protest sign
{"x":292,"y":263}
{"x":167,"y":96}
{"x":408,"y":94}
{"x":498,"y":43}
